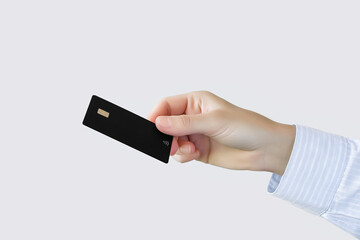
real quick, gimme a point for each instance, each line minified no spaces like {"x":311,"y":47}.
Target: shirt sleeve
{"x":323,"y":177}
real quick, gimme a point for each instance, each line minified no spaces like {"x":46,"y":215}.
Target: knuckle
{"x":163,"y":105}
{"x":205,"y":92}
{"x":185,"y":120}
{"x":202,"y":93}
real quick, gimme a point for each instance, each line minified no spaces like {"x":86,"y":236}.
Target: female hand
{"x":211,"y":130}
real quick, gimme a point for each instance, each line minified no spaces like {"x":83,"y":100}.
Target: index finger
{"x":174,"y":105}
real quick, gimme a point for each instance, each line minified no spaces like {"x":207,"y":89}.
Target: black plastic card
{"x":128,"y":128}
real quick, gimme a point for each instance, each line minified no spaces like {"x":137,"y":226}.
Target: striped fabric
{"x":323,"y":177}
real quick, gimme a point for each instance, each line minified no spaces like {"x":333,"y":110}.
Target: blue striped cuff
{"x":315,"y":169}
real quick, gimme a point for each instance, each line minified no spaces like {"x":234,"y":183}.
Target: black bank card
{"x":128,"y":128}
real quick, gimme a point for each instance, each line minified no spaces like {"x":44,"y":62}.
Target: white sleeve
{"x":323,"y":177}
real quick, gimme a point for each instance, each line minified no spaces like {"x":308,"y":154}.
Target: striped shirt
{"x":323,"y":177}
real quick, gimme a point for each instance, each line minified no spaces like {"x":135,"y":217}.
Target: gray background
{"x":293,"y":61}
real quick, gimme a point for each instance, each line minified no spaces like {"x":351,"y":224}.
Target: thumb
{"x":183,"y":124}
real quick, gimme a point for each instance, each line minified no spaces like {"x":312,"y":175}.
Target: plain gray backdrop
{"x":292,"y":61}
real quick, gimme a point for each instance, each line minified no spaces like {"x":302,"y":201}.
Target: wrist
{"x":280,"y":147}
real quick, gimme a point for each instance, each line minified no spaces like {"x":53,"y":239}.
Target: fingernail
{"x":185,"y":149}
{"x":163,"y":121}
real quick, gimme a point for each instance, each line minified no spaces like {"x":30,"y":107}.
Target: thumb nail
{"x":163,"y":121}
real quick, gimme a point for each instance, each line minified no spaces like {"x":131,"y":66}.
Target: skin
{"x":209,"y":129}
